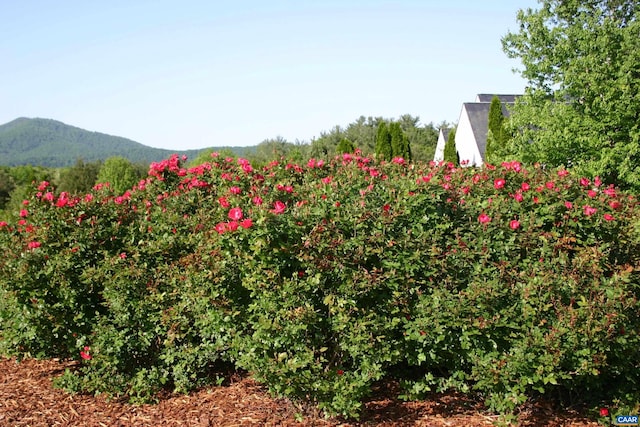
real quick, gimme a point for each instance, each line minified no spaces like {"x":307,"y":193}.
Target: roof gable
{"x":478,"y":114}
{"x":445,"y":133}
{"x":487,"y":97}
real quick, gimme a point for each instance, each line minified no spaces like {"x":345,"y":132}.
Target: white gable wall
{"x":439,"y":155}
{"x":466,"y":143}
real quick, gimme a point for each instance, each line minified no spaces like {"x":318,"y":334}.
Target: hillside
{"x":50,"y":143}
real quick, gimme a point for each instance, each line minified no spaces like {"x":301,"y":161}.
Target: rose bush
{"x":323,"y":278}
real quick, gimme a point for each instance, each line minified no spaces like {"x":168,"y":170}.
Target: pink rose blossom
{"x":223,"y":202}
{"x":221,"y":227}
{"x":483,"y":218}
{"x":235,"y":214}
{"x":597,"y":182}
{"x":85,"y":353}
{"x":63,"y":200}
{"x":278,"y":207}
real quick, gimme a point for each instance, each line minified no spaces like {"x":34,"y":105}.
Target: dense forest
{"x":74,"y":160}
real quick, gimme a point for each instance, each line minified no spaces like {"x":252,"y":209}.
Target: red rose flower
{"x":85,"y":353}
{"x":483,"y":218}
{"x":235,"y":214}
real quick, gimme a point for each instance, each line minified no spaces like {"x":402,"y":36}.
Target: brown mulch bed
{"x":27,"y":398}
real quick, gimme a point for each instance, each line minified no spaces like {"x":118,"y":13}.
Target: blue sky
{"x":192,"y":74}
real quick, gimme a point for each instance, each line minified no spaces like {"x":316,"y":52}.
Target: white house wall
{"x":466,"y":144}
{"x":439,"y":155}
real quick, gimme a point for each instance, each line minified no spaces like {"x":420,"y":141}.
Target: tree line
{"x":378,"y":137}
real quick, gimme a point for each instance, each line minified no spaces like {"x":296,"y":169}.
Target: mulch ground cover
{"x":27,"y":398}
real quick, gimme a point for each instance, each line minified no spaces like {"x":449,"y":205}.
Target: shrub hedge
{"x":323,"y":278}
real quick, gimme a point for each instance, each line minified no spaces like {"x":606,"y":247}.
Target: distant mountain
{"x":46,"y":142}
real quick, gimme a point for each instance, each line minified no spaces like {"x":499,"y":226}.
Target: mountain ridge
{"x":52,"y":143}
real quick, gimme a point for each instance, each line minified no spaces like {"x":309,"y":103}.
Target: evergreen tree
{"x":406,"y":147}
{"x":400,"y":146}
{"x":450,"y":152}
{"x":384,"y":150}
{"x":396,"y":139}
{"x":345,"y":146}
{"x":496,"y":134}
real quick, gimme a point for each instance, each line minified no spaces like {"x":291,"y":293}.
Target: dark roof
{"x":479,"y":117}
{"x":445,"y":133}
{"x":478,"y":113}
{"x":487,"y":97}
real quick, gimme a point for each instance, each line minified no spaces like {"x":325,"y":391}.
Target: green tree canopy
{"x":421,"y":139}
{"x":582,"y":106}
{"x":273,"y":149}
{"x":79,"y":178}
{"x":18,"y":181}
{"x":6,"y":187}
{"x":345,"y":146}
{"x":27,"y":174}
{"x":120,"y":173}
